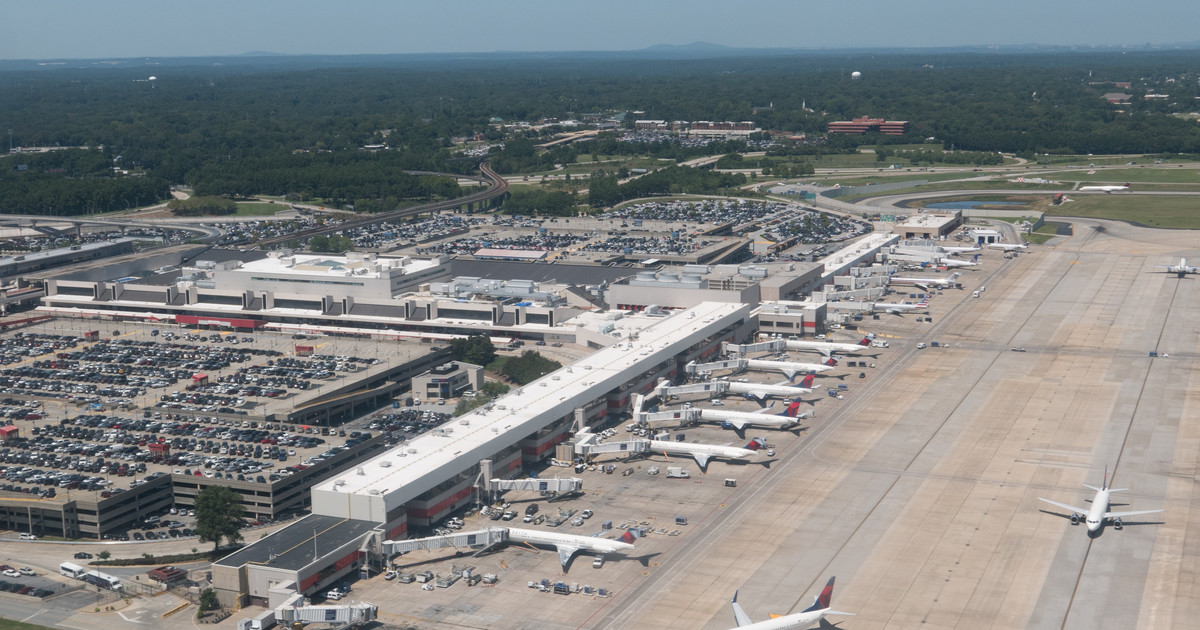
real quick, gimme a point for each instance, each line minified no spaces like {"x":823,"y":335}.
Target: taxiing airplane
{"x":1105,"y":189}
{"x":1008,"y":247}
{"x":1096,"y":516}
{"x":568,"y":545}
{"x":1181,"y":269}
{"x":925,"y":283}
{"x":897,"y":308}
{"x":704,"y":452}
{"x":809,"y":616}
{"x":829,"y":347}
{"x":760,"y":391}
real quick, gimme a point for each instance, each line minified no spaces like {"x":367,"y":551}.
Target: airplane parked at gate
{"x":739,"y":420}
{"x":925,"y":283}
{"x":759,"y":391}
{"x":704,"y":452}
{"x":896,"y":308}
{"x":1096,"y":516}
{"x":1008,"y":247}
{"x":828,"y":347}
{"x":809,"y":616}
{"x":568,"y":545}
{"x":1181,"y":269}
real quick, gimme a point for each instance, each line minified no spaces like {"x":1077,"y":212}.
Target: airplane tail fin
{"x":822,"y":602}
{"x":756,"y":444}
{"x":975,"y":258}
{"x":831,"y":361}
{"x":865,"y":342}
{"x":807,"y":381}
{"x":791,"y":411}
{"x":628,"y":537}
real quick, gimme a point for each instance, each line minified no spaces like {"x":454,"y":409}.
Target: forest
{"x":242,"y":129}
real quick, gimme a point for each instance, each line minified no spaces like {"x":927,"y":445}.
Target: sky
{"x":91,"y":29}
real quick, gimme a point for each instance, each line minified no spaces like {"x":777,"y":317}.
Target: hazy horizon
{"x":82,"y":29}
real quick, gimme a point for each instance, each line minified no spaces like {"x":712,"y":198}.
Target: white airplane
{"x":704,"y":452}
{"x":1096,"y":516}
{"x":952,"y":249}
{"x":896,"y":308}
{"x":760,"y":391}
{"x":925,"y":283}
{"x":568,"y":545}
{"x":789,"y":368}
{"x":1105,"y":189}
{"x":809,"y":616}
{"x":1009,"y":247}
{"x":951,"y":263}
{"x":1181,"y":269}
{"x":739,"y":420}
{"x":828,"y":347}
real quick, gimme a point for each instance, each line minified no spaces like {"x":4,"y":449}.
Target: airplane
{"x":829,"y":347}
{"x":925,"y":283}
{"x":950,"y":262}
{"x":1008,"y":247}
{"x":757,"y":391}
{"x":704,"y":452}
{"x":807,"y":617}
{"x":739,"y":420}
{"x":1181,"y":269}
{"x":790,"y":369}
{"x":1105,"y":189}
{"x":896,"y":308}
{"x":951,"y":249}
{"x":1096,"y":516}
{"x":568,"y":545}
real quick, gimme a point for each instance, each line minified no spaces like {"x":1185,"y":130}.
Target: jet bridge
{"x":711,"y":387}
{"x":679,"y":417}
{"x":560,"y":485}
{"x":479,"y":539}
{"x":587,"y":448}
{"x":694,"y":368}
{"x":344,"y":614}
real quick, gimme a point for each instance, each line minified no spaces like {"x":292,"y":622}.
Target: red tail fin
{"x":792,"y":410}
{"x":756,"y":444}
{"x":627,"y":537}
{"x":807,"y":383}
{"x":831,"y":362}
{"x":864,"y":342}
{"x":824,"y":598}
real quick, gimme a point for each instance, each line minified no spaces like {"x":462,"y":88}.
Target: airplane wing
{"x":740,"y":615}
{"x":1133,"y":513}
{"x":1064,"y":506}
{"x":701,"y":459}
{"x":740,"y":425}
{"x":564,"y":554}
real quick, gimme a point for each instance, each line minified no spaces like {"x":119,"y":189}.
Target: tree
{"x":105,"y":555}
{"x":218,"y":514}
{"x":528,"y":367}
{"x":477,"y":349}
{"x":208,"y":600}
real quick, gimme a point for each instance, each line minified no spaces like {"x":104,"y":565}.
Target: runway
{"x":920,"y":492}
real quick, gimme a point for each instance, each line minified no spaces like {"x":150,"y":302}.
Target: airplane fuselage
{"x":749,"y":419}
{"x":787,"y":622}
{"x":788,"y":368}
{"x":826,"y":347}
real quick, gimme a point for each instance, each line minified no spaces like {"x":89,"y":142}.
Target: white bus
{"x":71,"y":570}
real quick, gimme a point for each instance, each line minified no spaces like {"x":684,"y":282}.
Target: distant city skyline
{"x":85,"y":29}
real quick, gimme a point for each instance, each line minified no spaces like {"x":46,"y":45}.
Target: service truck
{"x":675,"y":472}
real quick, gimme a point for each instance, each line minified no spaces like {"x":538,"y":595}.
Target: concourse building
{"x":430,"y":477}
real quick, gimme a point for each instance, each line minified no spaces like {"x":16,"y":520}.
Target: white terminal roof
{"x":405,"y":472}
{"x":845,"y":256}
{"x":308,"y":265}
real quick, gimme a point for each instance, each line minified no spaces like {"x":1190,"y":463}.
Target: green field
{"x":1161,"y":212}
{"x":1048,"y":231}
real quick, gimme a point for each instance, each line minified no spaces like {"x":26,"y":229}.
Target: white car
{"x":334,"y":595}
{"x":11,"y":573}
{"x":28,"y":537}
{"x":716,"y":402}
{"x":26,"y":571}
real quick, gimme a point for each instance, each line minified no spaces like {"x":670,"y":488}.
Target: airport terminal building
{"x":430,"y":477}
